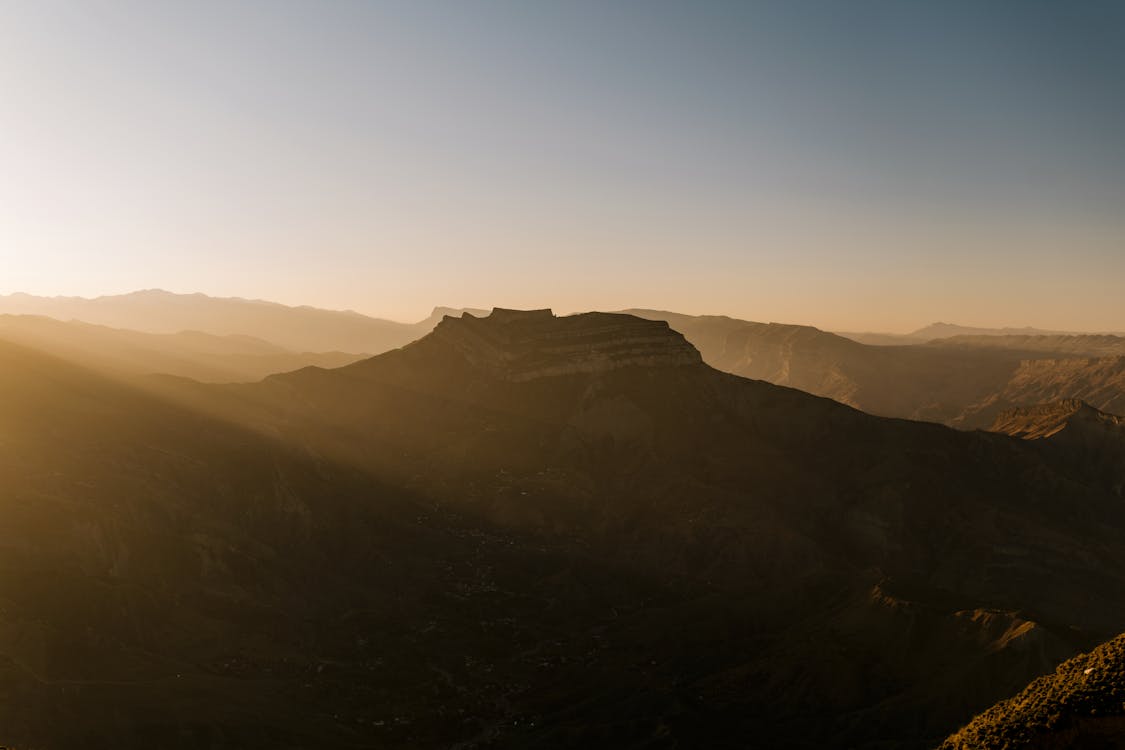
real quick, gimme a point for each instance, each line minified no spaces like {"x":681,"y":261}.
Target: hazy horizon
{"x":561,"y":311}
{"x":861,"y":167}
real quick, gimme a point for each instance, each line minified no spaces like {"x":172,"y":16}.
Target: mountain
{"x":1081,"y":345}
{"x":523,"y":531}
{"x":299,"y":329}
{"x":914,"y":382}
{"x":191,"y":354}
{"x":895,"y":575}
{"x":947,"y":330}
{"x":1081,"y":705}
{"x":1098,"y":381}
{"x":881,"y":339}
{"x":171,"y":580}
{"x":961,"y":381}
{"x":950,"y":330}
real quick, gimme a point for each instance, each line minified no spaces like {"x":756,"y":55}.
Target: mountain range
{"x":525,"y":530}
{"x":297,"y":329}
{"x":961,"y":381}
{"x":949,"y":330}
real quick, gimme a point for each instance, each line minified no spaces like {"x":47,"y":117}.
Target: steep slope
{"x":192,"y":354}
{"x":1080,"y":705}
{"x":301,"y":329}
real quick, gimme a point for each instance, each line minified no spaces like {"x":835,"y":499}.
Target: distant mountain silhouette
{"x":950,"y":330}
{"x":947,"y":330}
{"x":1076,"y":345}
{"x":960,"y":381}
{"x":1081,"y":706}
{"x":192,"y":354}
{"x":299,"y":329}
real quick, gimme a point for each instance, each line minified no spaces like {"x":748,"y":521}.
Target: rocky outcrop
{"x":522,"y":345}
{"x":1081,"y":705}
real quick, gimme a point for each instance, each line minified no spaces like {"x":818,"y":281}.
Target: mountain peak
{"x":521,"y":345}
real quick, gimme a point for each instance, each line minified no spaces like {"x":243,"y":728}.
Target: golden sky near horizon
{"x":854,"y":168}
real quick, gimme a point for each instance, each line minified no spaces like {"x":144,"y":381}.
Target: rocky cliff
{"x":522,"y":345}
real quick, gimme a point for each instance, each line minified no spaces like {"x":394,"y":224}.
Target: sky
{"x":854,"y":165}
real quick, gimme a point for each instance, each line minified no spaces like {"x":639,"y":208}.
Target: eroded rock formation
{"x":522,"y":345}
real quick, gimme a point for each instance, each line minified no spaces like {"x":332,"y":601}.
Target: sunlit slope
{"x":193,"y":354}
{"x":902,"y":575}
{"x":1081,"y":706}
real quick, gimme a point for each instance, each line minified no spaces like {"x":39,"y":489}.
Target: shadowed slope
{"x":1073,"y":432}
{"x":168,"y":580}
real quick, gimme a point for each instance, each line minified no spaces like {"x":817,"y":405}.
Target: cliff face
{"x":520,"y":345}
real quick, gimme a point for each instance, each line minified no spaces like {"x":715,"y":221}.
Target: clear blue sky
{"x":855,"y":165}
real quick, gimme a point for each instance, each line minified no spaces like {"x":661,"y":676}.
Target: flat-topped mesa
{"x":521,"y":345}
